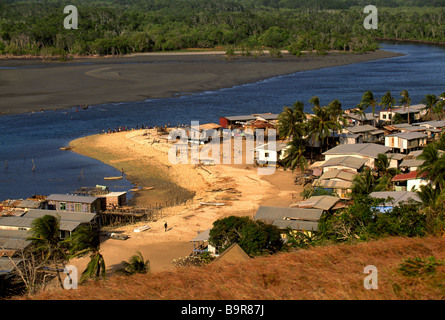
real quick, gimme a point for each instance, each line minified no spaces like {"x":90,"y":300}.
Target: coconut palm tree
{"x":433,"y":166}
{"x":405,"y":100}
{"x":430,"y":104}
{"x":385,"y":173}
{"x":368,"y":100}
{"x":45,"y":236}
{"x":363,"y":183}
{"x":320,"y":125}
{"x":295,"y":156}
{"x":85,"y":240}
{"x":337,"y":116}
{"x":291,"y":120}
{"x":136,"y":264}
{"x":428,"y":194}
{"x":388,"y":102}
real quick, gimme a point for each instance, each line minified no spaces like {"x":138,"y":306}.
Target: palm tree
{"x":45,"y":236}
{"x":363,"y":183}
{"x":85,"y":240}
{"x":428,"y":194}
{"x":369,"y":101}
{"x":291,"y":120}
{"x":385,"y":173}
{"x":430,"y":103}
{"x":405,"y":100}
{"x":433,"y":166}
{"x":136,"y":264}
{"x":315,"y":101}
{"x":295,"y":156}
{"x":388,"y":102}
{"x":320,"y":125}
{"x":337,"y":116}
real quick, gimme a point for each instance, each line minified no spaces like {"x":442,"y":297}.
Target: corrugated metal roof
{"x":202,"y":236}
{"x":71,"y":198}
{"x":241,"y":118}
{"x":371,"y":150}
{"x":278,"y":146}
{"x":332,"y":184}
{"x":338,"y":174}
{"x":318,"y":202}
{"x":411,"y":163}
{"x":398,"y":196}
{"x":6,"y":265}
{"x":64,"y":215}
{"x":296,"y":225}
{"x":362,"y":128}
{"x":281,"y":213}
{"x":409,"y":135}
{"x":346,"y":161}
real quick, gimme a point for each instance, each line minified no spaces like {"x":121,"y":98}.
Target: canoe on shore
{"x":113,"y":178}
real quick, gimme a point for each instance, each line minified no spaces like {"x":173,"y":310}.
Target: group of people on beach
{"x":142,"y":126}
{"x":124,"y":128}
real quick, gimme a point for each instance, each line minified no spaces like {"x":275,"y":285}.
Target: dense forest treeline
{"x":128,"y":26}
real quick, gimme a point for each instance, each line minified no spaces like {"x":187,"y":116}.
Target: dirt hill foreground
{"x":322,"y":273}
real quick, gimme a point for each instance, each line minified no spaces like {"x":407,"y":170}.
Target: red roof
{"x":407,"y":176}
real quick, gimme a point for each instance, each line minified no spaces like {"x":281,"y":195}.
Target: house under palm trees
{"x":415,"y":112}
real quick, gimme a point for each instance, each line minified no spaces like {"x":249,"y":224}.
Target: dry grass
{"x":331,"y":272}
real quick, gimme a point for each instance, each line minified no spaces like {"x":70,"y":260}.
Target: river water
{"x":28,"y":139}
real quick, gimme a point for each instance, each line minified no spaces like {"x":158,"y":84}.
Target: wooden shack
{"x":74,"y":203}
{"x":115,"y":199}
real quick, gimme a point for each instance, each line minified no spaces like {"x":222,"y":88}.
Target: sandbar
{"x":28,"y":85}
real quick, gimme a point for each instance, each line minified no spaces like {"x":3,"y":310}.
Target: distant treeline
{"x":129,"y":26}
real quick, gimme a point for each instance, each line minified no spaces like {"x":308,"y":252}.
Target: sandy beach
{"x":239,"y":187}
{"x":32,"y":84}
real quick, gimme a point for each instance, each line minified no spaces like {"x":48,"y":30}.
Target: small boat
{"x":212,"y":203}
{"x":66,"y":148}
{"x":113,"y":178}
{"x":142,"y":228}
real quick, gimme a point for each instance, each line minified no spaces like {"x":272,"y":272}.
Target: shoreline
{"x":94,"y":81}
{"x":238,"y":186}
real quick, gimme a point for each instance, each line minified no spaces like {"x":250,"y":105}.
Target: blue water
{"x":38,"y":136}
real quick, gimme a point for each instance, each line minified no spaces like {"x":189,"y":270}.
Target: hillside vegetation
{"x":408,"y":268}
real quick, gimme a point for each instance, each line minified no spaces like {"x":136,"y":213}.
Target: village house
{"x":349,"y":138}
{"x":350,"y":163}
{"x":69,"y":221}
{"x":360,"y":119}
{"x":201,"y":243}
{"x":115,"y":199}
{"x":366,"y":151}
{"x":370,"y":134}
{"x":405,"y":142}
{"x":74,"y":203}
{"x":410,"y":181}
{"x":394,"y":198}
{"x":325,"y":203}
{"x":297,"y":219}
{"x":239,"y":122}
{"x":341,"y":185}
{"x":271,"y":153}
{"x":415,"y":113}
{"x":433,"y":128}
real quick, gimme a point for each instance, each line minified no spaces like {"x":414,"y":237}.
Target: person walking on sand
{"x":165,"y":227}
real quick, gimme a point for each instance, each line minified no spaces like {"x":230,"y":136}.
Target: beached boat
{"x":142,"y":228}
{"x":118,"y":236}
{"x":113,"y":178}
{"x":66,"y":148}
{"x":212,"y":203}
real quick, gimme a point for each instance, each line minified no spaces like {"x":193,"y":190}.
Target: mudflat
{"x":28,"y":85}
